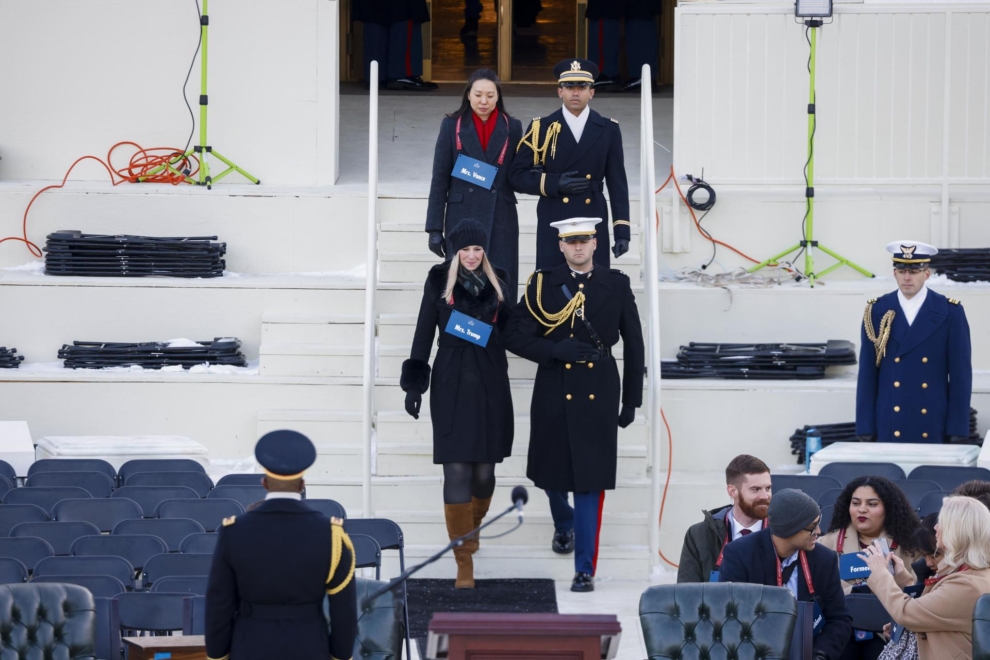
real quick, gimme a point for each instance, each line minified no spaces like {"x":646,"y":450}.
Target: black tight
{"x":461,"y":481}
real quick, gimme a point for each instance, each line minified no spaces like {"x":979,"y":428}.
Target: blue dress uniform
{"x":915,"y":380}
{"x":574,"y":422}
{"x":548,"y":150}
{"x":642,"y":39}
{"x":272,"y":568}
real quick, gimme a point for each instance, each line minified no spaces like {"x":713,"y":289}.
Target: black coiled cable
{"x":705,"y":206}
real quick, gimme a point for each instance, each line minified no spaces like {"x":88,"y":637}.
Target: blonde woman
{"x":941,"y":619}
{"x":464,"y":299}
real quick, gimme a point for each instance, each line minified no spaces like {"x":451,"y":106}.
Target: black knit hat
{"x":467,"y":232}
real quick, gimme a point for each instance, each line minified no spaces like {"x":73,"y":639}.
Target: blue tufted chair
{"x":717,"y":621}
{"x":47,"y":621}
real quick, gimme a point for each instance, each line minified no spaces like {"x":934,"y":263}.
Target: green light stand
{"x":202,"y":149}
{"x":808,"y":244}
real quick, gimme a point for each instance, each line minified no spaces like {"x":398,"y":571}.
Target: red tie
{"x":745,"y":532}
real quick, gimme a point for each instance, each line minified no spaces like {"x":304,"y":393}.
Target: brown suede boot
{"x":459,"y":519}
{"x":480,"y":508}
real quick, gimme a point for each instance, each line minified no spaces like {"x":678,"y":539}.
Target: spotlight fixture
{"x":813,"y":8}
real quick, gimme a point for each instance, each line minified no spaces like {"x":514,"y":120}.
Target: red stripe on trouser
{"x":598,"y":532}
{"x":409,"y":35}
{"x":601,"y":45}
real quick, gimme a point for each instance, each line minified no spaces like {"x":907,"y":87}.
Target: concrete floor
{"x":408,"y":125}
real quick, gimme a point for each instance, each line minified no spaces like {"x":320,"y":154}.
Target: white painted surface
{"x":118,"y":449}
{"x":16,"y":446}
{"x":908,"y":456}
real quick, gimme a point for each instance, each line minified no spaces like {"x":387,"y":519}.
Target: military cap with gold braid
{"x":575,"y":71}
{"x":912,"y":255}
{"x":285,"y":455}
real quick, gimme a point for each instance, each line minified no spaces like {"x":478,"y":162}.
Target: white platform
{"x":118,"y":449}
{"x":907,"y":456}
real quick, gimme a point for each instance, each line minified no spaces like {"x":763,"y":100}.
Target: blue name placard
{"x":817,"y":620}
{"x":853,"y":567}
{"x":468,"y":329}
{"x":474,"y":171}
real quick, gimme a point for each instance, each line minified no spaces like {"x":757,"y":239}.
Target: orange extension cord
{"x":141,"y":162}
{"x":670,"y":457}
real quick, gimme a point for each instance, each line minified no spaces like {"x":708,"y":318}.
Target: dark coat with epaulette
{"x":452,"y":199}
{"x":386,"y":12}
{"x":921,"y":390}
{"x":598,"y":157}
{"x":271,"y":569}
{"x":574,"y":416}
{"x":470,"y":398}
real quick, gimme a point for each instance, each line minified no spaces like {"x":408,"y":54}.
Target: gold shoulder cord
{"x":339,"y":539}
{"x":575,"y":307}
{"x":532,"y":140}
{"x":879,"y":342}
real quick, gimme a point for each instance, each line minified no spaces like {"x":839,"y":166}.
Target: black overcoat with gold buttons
{"x":598,"y":157}
{"x":575,"y":408}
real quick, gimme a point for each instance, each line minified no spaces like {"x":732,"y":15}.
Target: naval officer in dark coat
{"x":568,"y":322}
{"x":274,"y":565}
{"x":915,"y":369}
{"x":567,"y":158}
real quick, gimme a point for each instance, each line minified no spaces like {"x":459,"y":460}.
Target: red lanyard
{"x":938,"y":578}
{"x":728,"y":538}
{"x":457,"y":134}
{"x":841,"y":541}
{"x":804,"y":568}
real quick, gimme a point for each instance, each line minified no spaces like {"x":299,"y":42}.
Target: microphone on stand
{"x":520,"y":497}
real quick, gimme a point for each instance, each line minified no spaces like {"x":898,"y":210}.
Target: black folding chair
{"x":101,"y":586}
{"x":916,"y":489}
{"x":931,"y":503}
{"x":150,"y":497}
{"x":329,"y":508}
{"x":97,"y":484}
{"x":171,"y":531}
{"x":199,"y":544}
{"x":72,"y":465}
{"x":12,"y":515}
{"x":104,"y":513}
{"x":59,"y":535}
{"x":367,"y":553}
{"x":28,"y":550}
{"x":117,"y":567}
{"x":140,"y":611}
{"x":246,"y":495}
{"x":181,"y":584}
{"x":210,"y":512}
{"x":389,"y":536}
{"x":814,"y":486}
{"x":199,"y":482}
{"x":159,"y":465}
{"x":135,"y":548}
{"x":175,"y":565}
{"x":12,"y":571}
{"x":46,"y":498}
{"x":846,"y":472}
{"x":949,"y":476}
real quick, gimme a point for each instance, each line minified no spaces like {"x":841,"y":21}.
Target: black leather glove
{"x":413,"y":402}
{"x":627,"y":415}
{"x":621,"y":247}
{"x":436,"y":244}
{"x":572,"y":182}
{"x":957,"y":440}
{"x":867,"y":438}
{"x":572,"y":350}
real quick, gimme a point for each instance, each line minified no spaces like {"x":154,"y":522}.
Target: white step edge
{"x":311,"y":318}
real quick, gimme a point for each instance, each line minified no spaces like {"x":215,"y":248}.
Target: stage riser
{"x":346,"y":332}
{"x":304,"y":363}
{"x":519,"y":368}
{"x":403,"y":268}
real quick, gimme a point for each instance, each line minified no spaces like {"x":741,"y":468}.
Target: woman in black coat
{"x":470,"y":402}
{"x":488,"y":134}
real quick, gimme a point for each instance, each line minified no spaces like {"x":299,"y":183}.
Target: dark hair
{"x":744,"y":465}
{"x":924,"y":536}
{"x":900,"y":518}
{"x":973,"y":488}
{"x":481,"y":74}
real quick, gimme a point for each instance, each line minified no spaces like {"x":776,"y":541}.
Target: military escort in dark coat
{"x":915,"y":379}
{"x":549,"y":162}
{"x":274,"y":565}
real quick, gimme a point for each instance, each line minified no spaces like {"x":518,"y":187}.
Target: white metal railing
{"x":370,"y":286}
{"x":648,"y":209}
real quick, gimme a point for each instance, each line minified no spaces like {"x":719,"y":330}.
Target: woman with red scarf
{"x":479,"y":137}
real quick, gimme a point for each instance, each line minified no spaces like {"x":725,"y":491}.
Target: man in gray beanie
{"x":787,"y":554}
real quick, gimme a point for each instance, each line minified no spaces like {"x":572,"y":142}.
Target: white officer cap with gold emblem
{"x":576,"y":229}
{"x":912,"y":255}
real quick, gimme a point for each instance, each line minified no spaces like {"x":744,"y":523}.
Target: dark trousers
{"x":398,"y":47}
{"x":603,"y":45}
{"x":642,"y":46}
{"x":472,"y":9}
{"x":585,"y":518}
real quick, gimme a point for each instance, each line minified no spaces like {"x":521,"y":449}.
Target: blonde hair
{"x":965,"y":530}
{"x":486,"y":265}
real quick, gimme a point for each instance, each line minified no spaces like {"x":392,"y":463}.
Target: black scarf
{"x":472,"y":281}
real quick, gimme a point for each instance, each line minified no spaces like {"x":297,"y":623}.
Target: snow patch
{"x":183,"y":343}
{"x":29,"y":267}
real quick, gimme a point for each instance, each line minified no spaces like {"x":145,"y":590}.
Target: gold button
{"x":567,"y":366}
{"x":568,"y":397}
{"x":591,"y":365}
{"x":897,"y":359}
{"x":897,"y":409}
{"x":897,"y":434}
{"x":587,"y":176}
{"x":924,"y":411}
{"x":924,"y":435}
{"x":897,"y":383}
{"x":580,"y":286}
{"x":572,"y":336}
{"x":591,"y":396}
{"x":924,"y":386}
{"x":566,"y":200}
{"x":924,"y":359}
{"x":587,"y":201}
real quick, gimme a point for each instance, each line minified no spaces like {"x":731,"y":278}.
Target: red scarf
{"x":485,"y":128}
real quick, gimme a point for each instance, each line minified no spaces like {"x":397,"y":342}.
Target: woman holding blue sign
{"x":465,"y":298}
{"x":470,"y":175}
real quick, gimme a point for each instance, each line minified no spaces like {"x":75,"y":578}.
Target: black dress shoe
{"x":414,"y":83}
{"x":583,"y":582}
{"x":608,"y":83}
{"x":563,"y":542}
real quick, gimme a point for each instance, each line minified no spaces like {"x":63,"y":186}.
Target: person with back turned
{"x":274,"y":565}
{"x":568,"y":322}
{"x":915,"y":370}
{"x":567,"y":158}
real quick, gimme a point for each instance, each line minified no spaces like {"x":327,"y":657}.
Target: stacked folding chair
{"x":9,"y":359}
{"x":94,"y":255}
{"x":152,"y":355}
{"x":963,"y":264}
{"x":759,"y":361}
